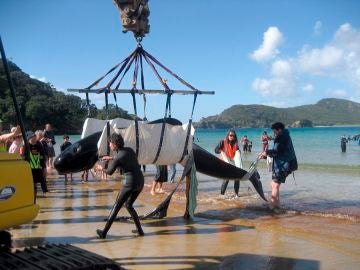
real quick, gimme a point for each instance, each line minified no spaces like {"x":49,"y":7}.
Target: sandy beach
{"x":226,"y":233}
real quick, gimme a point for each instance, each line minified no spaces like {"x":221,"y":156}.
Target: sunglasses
{"x":231,"y":135}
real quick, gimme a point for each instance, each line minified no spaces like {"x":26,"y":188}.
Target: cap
{"x":29,"y":134}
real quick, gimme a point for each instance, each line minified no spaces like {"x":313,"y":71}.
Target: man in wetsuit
{"x":133,"y":183}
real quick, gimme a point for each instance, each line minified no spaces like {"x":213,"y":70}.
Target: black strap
{"x":169,"y":71}
{"x":163,"y":128}
{"x":88,"y":104}
{"x":107,"y":123}
{"x":185,"y":152}
{"x":155,"y":71}
{"x":143,"y":85}
{"x":136,"y":124}
{"x":126,"y":69}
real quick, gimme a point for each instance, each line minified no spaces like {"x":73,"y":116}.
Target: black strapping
{"x":136,"y":126}
{"x":143,"y":85}
{"x":88,"y":104}
{"x":169,"y":71}
{"x":117,"y":74}
{"x":185,"y":152}
{"x":127,"y":69}
{"x":155,"y":71}
{"x":162,"y":129}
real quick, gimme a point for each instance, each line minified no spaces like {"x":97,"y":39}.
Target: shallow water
{"x":223,"y":235}
{"x":327,"y":182}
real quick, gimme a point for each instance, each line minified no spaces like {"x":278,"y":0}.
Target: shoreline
{"x":72,"y":213}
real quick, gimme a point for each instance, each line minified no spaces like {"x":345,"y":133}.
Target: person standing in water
{"x":245,"y":141}
{"x":343,"y":142}
{"x":50,"y":139}
{"x":63,"y":146}
{"x":133,"y":183}
{"x":227,"y":149}
{"x":265,"y":138}
{"x":160,"y":177}
{"x":284,"y":161}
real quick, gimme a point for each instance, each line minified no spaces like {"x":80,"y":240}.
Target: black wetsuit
{"x":126,"y":160}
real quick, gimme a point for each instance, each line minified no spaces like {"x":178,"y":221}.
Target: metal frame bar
{"x":140,"y":91}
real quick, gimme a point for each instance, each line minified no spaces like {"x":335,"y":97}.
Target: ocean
{"x":327,"y":182}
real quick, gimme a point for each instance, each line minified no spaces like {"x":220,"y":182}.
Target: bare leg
{"x":275,"y":194}
{"x":160,"y":190}
{"x":152,"y":191}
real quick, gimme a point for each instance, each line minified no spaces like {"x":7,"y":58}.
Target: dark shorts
{"x":280,"y":177}
{"x":51,"y":151}
{"x":161,"y":174}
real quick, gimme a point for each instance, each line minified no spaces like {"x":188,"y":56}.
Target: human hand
{"x":98,"y":167}
{"x":17,"y":131}
{"x":262,"y":155}
{"x":106,"y":158}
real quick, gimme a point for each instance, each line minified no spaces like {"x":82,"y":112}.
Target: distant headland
{"x":326,"y":112}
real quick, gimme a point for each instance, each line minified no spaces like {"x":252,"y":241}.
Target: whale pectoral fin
{"x":255,"y":180}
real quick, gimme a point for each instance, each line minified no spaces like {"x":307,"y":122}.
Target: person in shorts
{"x":284,"y":161}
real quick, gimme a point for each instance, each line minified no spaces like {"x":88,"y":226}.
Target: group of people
{"x":41,"y":151}
{"x":283,"y":155}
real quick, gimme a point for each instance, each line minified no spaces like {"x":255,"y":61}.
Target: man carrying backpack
{"x":284,"y":161}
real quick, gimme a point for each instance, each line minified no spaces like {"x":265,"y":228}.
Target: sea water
{"x":326,"y":183}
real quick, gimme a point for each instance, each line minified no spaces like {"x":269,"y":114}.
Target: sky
{"x":277,"y":53}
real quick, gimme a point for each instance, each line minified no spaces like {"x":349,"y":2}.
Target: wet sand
{"x":225,"y":234}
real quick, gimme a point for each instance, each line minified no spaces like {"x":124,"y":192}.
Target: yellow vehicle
{"x":17,"y":202}
{"x":16,"y":192}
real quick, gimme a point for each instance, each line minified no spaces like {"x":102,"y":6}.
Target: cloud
{"x":337,"y":61}
{"x":269,"y":48}
{"x":308,"y":88}
{"x":338,"y":93}
{"x":317,"y":28}
{"x":280,"y":83}
{"x":320,"y":61}
{"x":281,"y":68}
{"x":42,"y":79}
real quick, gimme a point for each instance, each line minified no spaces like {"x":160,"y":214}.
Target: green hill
{"x":40,"y":103}
{"x":327,"y":112}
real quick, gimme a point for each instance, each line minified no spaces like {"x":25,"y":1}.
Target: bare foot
{"x":160,"y":191}
{"x":152,"y":192}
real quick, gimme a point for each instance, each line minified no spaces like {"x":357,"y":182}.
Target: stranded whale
{"x":83,"y":154}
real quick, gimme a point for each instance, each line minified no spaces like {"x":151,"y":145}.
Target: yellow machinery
{"x":17,"y":202}
{"x":16,"y":192}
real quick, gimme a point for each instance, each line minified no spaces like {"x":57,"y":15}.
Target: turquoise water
{"x":319,"y":145}
{"x":313,"y":146}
